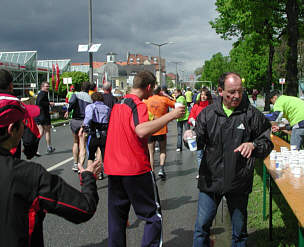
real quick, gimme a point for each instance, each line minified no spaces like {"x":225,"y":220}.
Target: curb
{"x":60,"y":123}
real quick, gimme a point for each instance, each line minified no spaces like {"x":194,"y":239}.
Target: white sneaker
{"x":156,"y":148}
{"x":162,"y":174}
{"x":178,"y":150}
{"x":75,"y":167}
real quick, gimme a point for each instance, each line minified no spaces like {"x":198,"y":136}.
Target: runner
{"x":131,"y":181}
{"x":96,"y":125}
{"x":182,"y":121}
{"x":44,"y":119}
{"x":158,"y":106}
{"x":77,"y":104}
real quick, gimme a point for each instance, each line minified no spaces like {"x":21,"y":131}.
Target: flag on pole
{"x":53,"y":78}
{"x":104,"y":79}
{"x":57,"y":77}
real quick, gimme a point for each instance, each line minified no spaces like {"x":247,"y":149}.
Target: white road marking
{"x":59,"y":164}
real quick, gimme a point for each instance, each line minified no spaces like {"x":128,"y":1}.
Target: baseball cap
{"x":12,"y":110}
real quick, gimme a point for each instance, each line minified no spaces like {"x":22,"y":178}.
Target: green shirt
{"x":188,"y":95}
{"x":292,"y":108}
{"x":228,"y":111}
{"x":181,"y":99}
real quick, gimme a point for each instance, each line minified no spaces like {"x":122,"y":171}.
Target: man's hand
{"x":245,"y":149}
{"x":178,"y":112}
{"x":188,"y":134}
{"x":94,"y":167}
{"x":275,"y":128}
{"x":66,"y":115}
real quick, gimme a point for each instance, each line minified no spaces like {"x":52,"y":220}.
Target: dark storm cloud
{"x":55,"y":28}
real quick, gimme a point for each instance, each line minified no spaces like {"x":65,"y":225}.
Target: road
{"x":178,"y":198}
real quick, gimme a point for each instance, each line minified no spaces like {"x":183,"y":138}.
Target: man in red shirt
{"x":131,"y":180}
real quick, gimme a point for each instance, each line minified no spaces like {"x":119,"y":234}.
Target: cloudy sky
{"x":54,"y":28}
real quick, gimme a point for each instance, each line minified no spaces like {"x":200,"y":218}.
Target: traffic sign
{"x":282,"y":80}
{"x":67,"y":80}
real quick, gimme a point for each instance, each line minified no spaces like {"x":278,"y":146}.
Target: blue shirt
{"x":97,"y":112}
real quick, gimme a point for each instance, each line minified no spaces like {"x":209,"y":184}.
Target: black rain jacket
{"x":222,"y":170}
{"x":28,"y":191}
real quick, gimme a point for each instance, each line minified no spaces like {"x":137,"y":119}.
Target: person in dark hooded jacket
{"x":232,"y":134}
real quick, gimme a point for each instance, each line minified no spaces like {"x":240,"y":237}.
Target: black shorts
{"x":43,"y":120}
{"x":94,"y":143}
{"x":75,"y":125}
{"x":158,"y":138}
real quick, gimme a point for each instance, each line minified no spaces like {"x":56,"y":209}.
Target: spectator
{"x":233,"y":134}
{"x":254,"y":96}
{"x":28,"y":191}
{"x":182,"y":121}
{"x":77,"y":104}
{"x":131,"y":181}
{"x":202,"y":102}
{"x":69,"y":94}
{"x":292,"y":108}
{"x":44,"y":119}
{"x":31,"y":135}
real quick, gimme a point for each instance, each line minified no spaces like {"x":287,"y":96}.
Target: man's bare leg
{"x":162,"y":158}
{"x":82,"y":149}
{"x":47,"y":130}
{"x":151,"y":147}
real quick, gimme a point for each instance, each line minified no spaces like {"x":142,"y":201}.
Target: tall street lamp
{"x":159,"y":65}
{"x":177,"y":77}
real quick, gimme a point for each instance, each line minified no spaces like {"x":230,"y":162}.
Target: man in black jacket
{"x":232,"y":134}
{"x":28,"y":191}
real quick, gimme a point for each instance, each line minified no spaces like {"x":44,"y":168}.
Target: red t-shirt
{"x":126,"y":154}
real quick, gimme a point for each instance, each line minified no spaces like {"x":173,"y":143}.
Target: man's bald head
{"x":107,"y":86}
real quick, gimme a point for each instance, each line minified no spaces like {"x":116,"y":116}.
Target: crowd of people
{"x":118,"y":134}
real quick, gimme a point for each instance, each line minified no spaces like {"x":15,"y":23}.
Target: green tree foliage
{"x":213,"y":68}
{"x":169,"y":82}
{"x":198,"y":85}
{"x":264,"y":19}
{"x":77,"y":78}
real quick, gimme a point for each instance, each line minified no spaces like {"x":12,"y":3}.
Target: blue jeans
{"x":297,"y":137}
{"x":199,"y":155}
{"x":180,"y":126}
{"x":206,"y":212}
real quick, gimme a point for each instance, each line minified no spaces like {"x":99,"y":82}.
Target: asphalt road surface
{"x":178,"y":196}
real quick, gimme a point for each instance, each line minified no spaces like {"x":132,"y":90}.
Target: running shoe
{"x":37,"y":154}
{"x":162,"y":174}
{"x":178,"y":150}
{"x":100,"y":177}
{"x":75,"y":167}
{"x":50,"y":150}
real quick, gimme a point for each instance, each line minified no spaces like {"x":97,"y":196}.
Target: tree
{"x":169,"y":82}
{"x":263,"y":18}
{"x":77,"y":78}
{"x":213,"y":68}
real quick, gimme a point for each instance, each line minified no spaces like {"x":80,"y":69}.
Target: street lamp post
{"x":90,"y":43}
{"x":177,"y":78}
{"x":159,"y":64}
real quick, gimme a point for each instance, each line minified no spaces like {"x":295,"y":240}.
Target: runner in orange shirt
{"x":158,"y":105}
